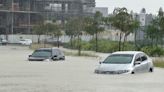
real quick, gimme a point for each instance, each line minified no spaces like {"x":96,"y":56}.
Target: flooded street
{"x":75,"y":74}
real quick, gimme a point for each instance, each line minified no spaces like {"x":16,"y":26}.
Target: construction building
{"x":19,"y":16}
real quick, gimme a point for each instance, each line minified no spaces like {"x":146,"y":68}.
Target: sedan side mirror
{"x":137,"y":62}
{"x":100,"y":62}
{"x":29,"y":55}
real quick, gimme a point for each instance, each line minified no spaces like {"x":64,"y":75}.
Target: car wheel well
{"x":151,"y":69}
{"x":62,"y":58}
{"x":132,"y":72}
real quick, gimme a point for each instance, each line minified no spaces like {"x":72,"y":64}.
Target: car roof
{"x":48,"y":48}
{"x":25,"y":39}
{"x":128,"y":52}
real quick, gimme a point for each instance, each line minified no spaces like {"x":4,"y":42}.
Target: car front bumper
{"x":113,"y":72}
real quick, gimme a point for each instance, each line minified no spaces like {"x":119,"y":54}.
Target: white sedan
{"x":125,"y":62}
{"x":25,"y":41}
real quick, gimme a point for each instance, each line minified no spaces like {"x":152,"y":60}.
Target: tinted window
{"x":42,"y":53}
{"x":57,"y":52}
{"x":144,"y":58}
{"x":119,"y":59}
{"x":138,"y":59}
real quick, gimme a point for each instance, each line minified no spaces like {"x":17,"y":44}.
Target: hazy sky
{"x":151,"y":6}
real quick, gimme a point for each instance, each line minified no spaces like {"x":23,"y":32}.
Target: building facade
{"x":19,"y":16}
{"x":144,"y":19}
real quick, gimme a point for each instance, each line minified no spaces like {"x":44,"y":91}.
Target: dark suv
{"x":44,"y":54}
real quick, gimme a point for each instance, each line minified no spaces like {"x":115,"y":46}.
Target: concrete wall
{"x":110,"y":35}
{"x":17,"y":38}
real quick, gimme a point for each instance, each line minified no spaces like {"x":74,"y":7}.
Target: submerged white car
{"x":125,"y":62}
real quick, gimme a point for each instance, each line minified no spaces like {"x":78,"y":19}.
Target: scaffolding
{"x":19,"y":16}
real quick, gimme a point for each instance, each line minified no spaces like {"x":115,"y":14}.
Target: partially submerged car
{"x":125,"y":62}
{"x":47,"y":54}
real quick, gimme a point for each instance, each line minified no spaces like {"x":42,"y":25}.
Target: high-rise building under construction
{"x":19,"y":16}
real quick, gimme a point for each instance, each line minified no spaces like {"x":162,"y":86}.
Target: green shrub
{"x":128,"y":46}
{"x":159,"y":63}
{"x":73,"y":46}
{"x":105,"y":46}
{"x":87,"y":46}
{"x":153,"y":50}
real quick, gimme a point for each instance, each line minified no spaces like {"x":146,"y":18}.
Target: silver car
{"x":125,"y":62}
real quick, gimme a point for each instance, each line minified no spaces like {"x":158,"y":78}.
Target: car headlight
{"x":47,"y":60}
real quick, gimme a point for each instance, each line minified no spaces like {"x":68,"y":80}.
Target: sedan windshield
{"x":42,"y":53}
{"x":119,"y":59}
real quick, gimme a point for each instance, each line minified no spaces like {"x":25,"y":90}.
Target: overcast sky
{"x":151,"y":6}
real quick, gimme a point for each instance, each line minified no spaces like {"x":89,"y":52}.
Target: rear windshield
{"x":119,"y":59}
{"x":42,"y":53}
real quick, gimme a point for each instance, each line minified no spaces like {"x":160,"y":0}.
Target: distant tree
{"x":135,"y":26}
{"x":90,"y":27}
{"x":39,"y":30}
{"x":98,"y":28}
{"x":80,"y":26}
{"x":76,"y":27}
{"x":161,"y":23}
{"x":57,"y":33}
{"x":120,"y":20}
{"x":54,"y":29}
{"x":94,"y":25}
{"x":123,"y":21}
{"x":153,"y":32}
{"x":160,"y":12}
{"x":70,"y":29}
{"x":131,"y":27}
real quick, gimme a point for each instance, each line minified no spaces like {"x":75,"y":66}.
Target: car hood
{"x":113,"y":67}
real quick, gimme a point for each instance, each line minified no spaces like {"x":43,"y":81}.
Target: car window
{"x":138,"y":57}
{"x":59,"y":52}
{"x":143,"y":58}
{"x":119,"y":59}
{"x":55,"y":52}
{"x":42,"y":53}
